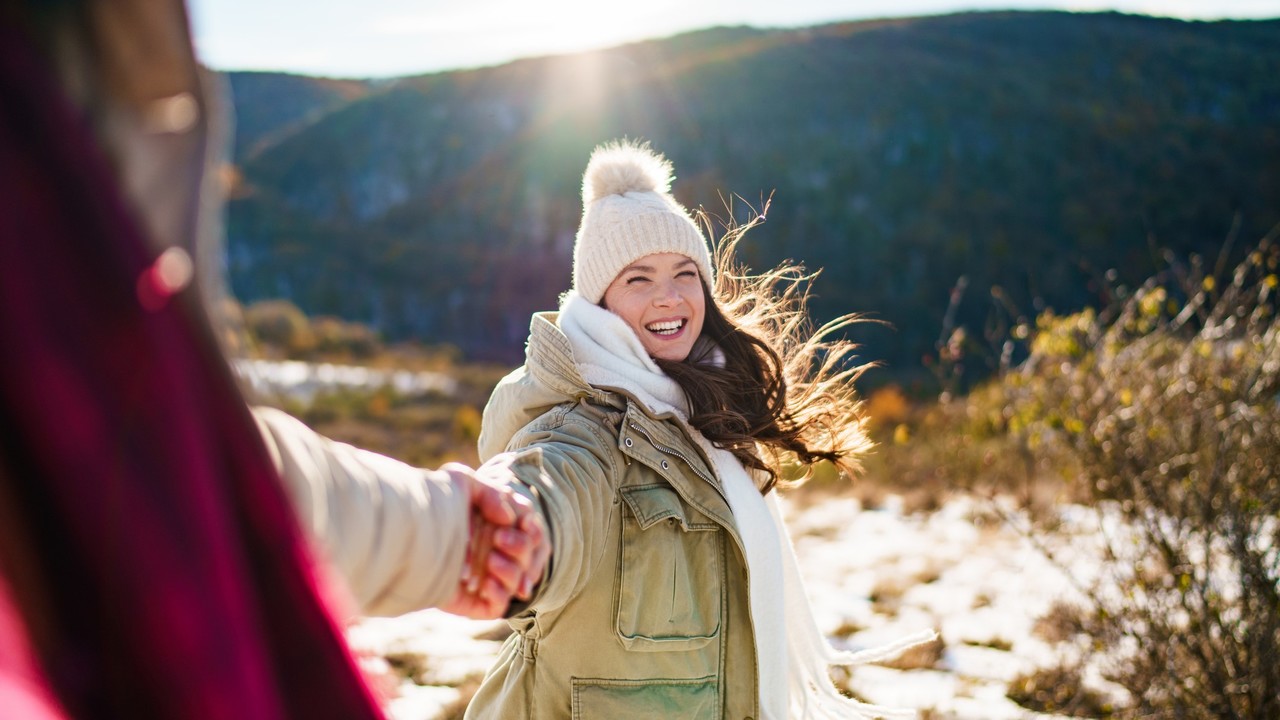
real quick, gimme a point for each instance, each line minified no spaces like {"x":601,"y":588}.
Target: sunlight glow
{"x":518,"y":27}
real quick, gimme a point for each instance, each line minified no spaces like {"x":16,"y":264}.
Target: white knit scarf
{"x":792,"y":656}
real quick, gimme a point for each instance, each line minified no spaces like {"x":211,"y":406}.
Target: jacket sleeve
{"x":575,"y":488}
{"x":395,"y":533}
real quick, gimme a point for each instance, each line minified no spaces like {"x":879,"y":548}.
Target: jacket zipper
{"x":676,"y":453}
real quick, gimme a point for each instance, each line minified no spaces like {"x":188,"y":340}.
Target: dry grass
{"x":938,"y":449}
{"x":1061,"y":623}
{"x":412,"y":666}
{"x":921,"y":657}
{"x":995,"y":643}
{"x":1060,"y":691}
{"x":886,"y":595}
{"x":847,"y":629}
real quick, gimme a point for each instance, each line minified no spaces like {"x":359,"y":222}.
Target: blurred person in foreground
{"x":152,"y":563}
{"x":665,"y":397}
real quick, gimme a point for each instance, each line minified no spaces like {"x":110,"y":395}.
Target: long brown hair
{"x":784,"y":394}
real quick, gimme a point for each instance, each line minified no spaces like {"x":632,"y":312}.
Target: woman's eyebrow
{"x":650,"y":268}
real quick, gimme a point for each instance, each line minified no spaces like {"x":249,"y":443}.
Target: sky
{"x":390,"y":38}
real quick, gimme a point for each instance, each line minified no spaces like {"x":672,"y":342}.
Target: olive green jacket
{"x":644,"y":610}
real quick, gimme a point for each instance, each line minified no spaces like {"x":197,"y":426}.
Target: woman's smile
{"x":667,"y":328}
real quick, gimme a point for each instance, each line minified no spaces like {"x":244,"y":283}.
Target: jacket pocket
{"x":602,"y":698}
{"x":670,"y":577}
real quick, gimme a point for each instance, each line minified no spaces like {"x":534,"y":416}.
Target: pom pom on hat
{"x":617,"y":169}
{"x":628,"y":213}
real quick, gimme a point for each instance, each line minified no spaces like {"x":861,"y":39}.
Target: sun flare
{"x":517,"y":28}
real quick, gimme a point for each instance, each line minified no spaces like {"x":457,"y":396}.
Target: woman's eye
{"x":687,"y":274}
{"x":636,"y":278}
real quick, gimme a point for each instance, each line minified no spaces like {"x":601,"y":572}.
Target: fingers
{"x":496,"y":504}
{"x":504,"y":573}
{"x":516,"y":544}
{"x":487,"y":602}
{"x":500,"y":553}
{"x":482,"y":533}
{"x":491,"y":599}
{"x":508,"y":547}
{"x":527,"y":547}
{"x":513,"y":557}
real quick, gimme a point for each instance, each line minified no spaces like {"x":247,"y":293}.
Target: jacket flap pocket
{"x":608,"y":699}
{"x":654,"y":503}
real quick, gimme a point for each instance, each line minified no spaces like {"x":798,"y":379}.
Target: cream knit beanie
{"x":627,"y":213}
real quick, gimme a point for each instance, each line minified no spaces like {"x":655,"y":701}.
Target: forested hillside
{"x":1033,"y":152}
{"x":271,"y":105}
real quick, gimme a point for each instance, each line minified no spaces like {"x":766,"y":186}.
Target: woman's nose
{"x":668,"y":294}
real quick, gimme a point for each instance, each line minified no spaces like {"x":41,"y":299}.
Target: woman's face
{"x":660,"y":298}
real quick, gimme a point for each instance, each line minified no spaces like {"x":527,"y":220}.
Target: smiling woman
{"x":661,"y":400}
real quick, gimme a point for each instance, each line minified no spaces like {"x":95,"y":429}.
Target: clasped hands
{"x":508,"y":549}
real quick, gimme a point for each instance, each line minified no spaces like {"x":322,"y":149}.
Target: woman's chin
{"x":674,"y":352}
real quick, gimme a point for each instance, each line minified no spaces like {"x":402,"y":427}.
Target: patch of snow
{"x":421,"y":701}
{"x":302,"y":381}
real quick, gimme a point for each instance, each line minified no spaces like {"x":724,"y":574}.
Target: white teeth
{"x":665,"y":328}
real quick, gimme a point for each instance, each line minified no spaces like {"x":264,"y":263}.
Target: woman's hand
{"x":508,"y":549}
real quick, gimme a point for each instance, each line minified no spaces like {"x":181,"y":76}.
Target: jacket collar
{"x":550,"y":360}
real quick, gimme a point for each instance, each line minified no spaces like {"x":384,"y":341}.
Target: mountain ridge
{"x":1030,"y":151}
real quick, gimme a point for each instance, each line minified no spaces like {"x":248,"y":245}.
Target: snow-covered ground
{"x":302,"y":381}
{"x":967,"y":571}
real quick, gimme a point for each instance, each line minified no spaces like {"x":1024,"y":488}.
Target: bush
{"x":1168,"y":412}
{"x":280,"y":325}
{"x":1059,"y":690}
{"x":280,"y":329}
{"x":957,"y":445}
{"x":338,"y":338}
